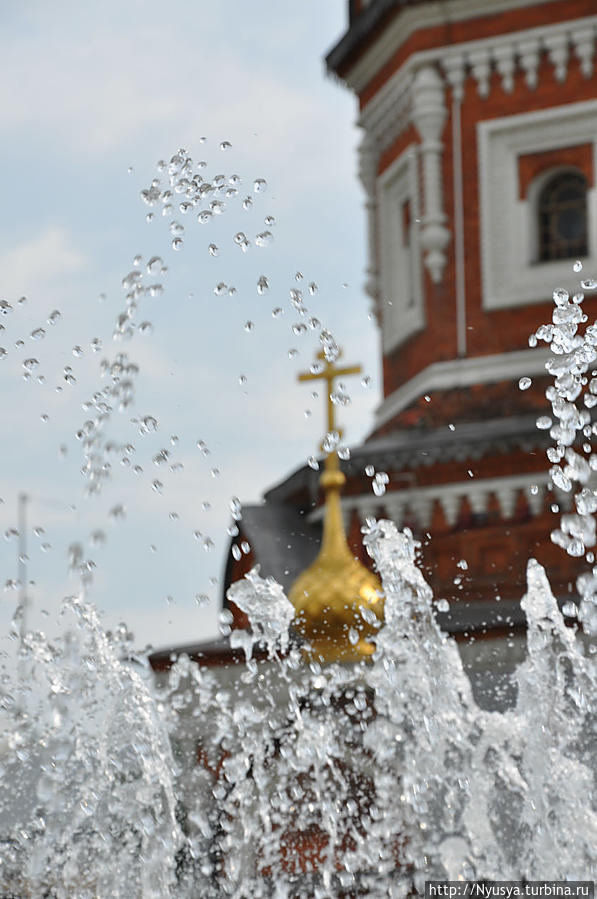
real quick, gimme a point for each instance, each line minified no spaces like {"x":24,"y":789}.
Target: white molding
{"x":386,"y":114}
{"x":401,"y":288}
{"x":429,"y":115}
{"x":415,"y":18}
{"x":462,"y":373}
{"x":419,"y":500}
{"x":510,"y":275}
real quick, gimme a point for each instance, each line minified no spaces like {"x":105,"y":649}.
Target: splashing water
{"x":281,"y":777}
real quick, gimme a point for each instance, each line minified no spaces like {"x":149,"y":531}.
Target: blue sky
{"x":92,"y":97}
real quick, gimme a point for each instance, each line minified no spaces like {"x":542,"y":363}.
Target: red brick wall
{"x":505,"y":329}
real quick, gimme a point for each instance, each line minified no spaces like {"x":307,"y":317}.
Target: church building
{"x":479,"y":122}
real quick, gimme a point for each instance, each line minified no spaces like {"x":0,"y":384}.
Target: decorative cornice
{"x":389,"y":111}
{"x":462,"y":373}
{"x":415,"y":504}
{"x":416,"y":18}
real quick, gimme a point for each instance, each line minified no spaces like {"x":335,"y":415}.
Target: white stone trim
{"x":429,"y":115}
{"x":462,"y":373}
{"x":414,"y":18}
{"x":387,"y":113}
{"x":510,"y":275}
{"x":419,"y":501}
{"x":400,"y":286}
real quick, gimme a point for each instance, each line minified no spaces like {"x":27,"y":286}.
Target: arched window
{"x":562,"y":217}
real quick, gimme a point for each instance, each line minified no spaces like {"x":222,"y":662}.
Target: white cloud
{"x":29,"y":266}
{"x":103,"y":88}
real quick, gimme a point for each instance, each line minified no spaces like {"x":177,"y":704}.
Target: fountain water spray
{"x":285,"y":777}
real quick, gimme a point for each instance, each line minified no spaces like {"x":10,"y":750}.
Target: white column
{"x":368,"y":157}
{"x":454,"y":68}
{"x":429,"y":116}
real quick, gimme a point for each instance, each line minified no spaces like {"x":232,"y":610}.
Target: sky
{"x":93,"y":96}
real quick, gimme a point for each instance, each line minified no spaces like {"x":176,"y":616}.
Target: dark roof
{"x":283,"y":541}
{"x":361,"y":28}
{"x":215,"y":653}
{"x":421,"y":446}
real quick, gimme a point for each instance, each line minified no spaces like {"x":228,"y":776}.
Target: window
{"x":562,"y":217}
{"x":537,"y":173}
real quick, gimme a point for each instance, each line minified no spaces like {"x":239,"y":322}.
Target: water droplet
{"x":264,"y":239}
{"x":45,"y":418}
{"x":38,"y":334}
{"x":77,"y":351}
{"x":98,"y":538}
{"x":344,"y":453}
{"x":215,"y":472}
{"x":236,"y":508}
{"x":277,"y":312}
{"x":259,"y":185}
{"x":292,"y":353}
{"x":157,"y":486}
{"x":176,"y":229}
{"x":220,"y":289}
{"x":236,"y":553}
{"x":533,"y":340}
{"x":149,"y":217}
{"x":452,"y":427}
{"x":242,"y":380}
{"x":117,"y":512}
{"x":213,"y":249}
{"x":524,"y":383}
{"x":177,"y":243}
{"x":577,"y":267}
{"x":145,"y":328}
{"x":369,"y":470}
{"x":208,"y":544}
{"x":313,"y":463}
{"x":560,"y":296}
{"x":262,"y":285}
{"x":5,"y":307}
{"x":247,"y":202}
{"x":589,"y":284}
{"x":154,"y":265}
{"x":269,"y":220}
{"x":202,"y":599}
{"x":544,"y":422}
{"x":30,"y":364}
{"x":3,"y":353}
{"x":249,"y":326}
{"x":225,"y":145}
{"x":173,"y":516}
{"x":443,"y":605}
{"x":330,"y":441}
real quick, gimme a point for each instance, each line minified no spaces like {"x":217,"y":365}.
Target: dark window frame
{"x":562,"y":217}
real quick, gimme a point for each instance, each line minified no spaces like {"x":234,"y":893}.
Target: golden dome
{"x":331,"y":593}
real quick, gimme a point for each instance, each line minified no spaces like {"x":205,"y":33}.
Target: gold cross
{"x":328,"y":373}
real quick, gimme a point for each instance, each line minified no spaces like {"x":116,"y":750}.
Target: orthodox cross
{"x":328,"y":372}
